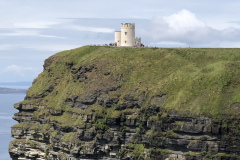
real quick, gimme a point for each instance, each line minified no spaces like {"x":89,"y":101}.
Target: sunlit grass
{"x":199,"y":81}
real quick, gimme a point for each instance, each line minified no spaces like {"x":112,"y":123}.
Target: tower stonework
{"x":128,"y":34}
{"x":126,"y":37}
{"x":118,"y":38}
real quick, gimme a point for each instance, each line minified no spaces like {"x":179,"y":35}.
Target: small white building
{"x":126,"y":37}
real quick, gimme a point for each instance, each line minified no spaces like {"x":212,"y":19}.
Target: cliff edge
{"x":132,"y":103}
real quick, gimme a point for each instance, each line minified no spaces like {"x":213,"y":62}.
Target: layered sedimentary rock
{"x":86,"y":107}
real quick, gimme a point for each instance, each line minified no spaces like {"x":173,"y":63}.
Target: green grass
{"x":101,"y":124}
{"x":54,"y":134}
{"x":22,"y":126}
{"x":69,"y":137}
{"x":67,"y":120}
{"x":151,"y":133}
{"x":46,"y":128}
{"x":33,"y":144}
{"x":136,"y":150}
{"x":223,"y":155}
{"x":191,"y":154}
{"x":196,"y":81}
{"x":35,"y":127}
{"x":39,"y":113}
{"x":170,"y":134}
{"x":18,"y":141}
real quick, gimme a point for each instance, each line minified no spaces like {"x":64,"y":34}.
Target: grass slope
{"x":197,"y":81}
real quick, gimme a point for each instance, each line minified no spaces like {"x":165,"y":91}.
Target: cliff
{"x":132,"y":103}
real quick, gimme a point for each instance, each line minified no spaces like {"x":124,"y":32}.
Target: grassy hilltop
{"x":196,"y":81}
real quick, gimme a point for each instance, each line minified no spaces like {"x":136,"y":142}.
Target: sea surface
{"x":6,"y":113}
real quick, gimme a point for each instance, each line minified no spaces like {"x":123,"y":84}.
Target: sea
{"x":6,"y":113}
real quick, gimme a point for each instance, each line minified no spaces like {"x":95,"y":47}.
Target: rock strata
{"x":129,"y":137}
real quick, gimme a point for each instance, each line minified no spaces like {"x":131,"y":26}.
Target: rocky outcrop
{"x":162,"y":136}
{"x":172,"y":136}
{"x":89,"y":111}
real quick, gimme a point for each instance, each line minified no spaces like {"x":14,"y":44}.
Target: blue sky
{"x":31,"y":31}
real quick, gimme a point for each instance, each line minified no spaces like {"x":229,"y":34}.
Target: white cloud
{"x":6,"y":47}
{"x":37,"y":25}
{"x":92,"y":29}
{"x":28,"y":33}
{"x":21,"y":33}
{"x":55,"y":48}
{"x":185,"y":29}
{"x":18,"y":70}
{"x":49,"y":36}
{"x":183,"y":21}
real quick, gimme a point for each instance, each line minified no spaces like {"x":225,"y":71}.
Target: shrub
{"x":101,"y":124}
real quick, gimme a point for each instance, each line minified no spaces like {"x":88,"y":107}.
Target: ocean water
{"x":6,"y":113}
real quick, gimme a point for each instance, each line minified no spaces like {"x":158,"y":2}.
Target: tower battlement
{"x":128,"y":25}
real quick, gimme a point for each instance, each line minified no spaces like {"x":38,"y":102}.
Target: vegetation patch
{"x":40,"y":113}
{"x":101,"y":124}
{"x":35,"y":127}
{"x":45,"y":128}
{"x":157,"y":153}
{"x":136,"y":150}
{"x":18,"y":141}
{"x":67,"y":120}
{"x":54,"y":134}
{"x":69,"y":137}
{"x":22,"y":126}
{"x":33,"y":144}
{"x":151,"y":133}
{"x":191,"y":154}
{"x":170,"y":134}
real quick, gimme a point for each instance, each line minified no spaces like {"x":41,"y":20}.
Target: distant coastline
{"x":22,"y":83}
{"x":16,"y":85}
{"x":11,"y":91}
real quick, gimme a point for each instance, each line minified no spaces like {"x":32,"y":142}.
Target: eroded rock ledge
{"x":127,"y":137}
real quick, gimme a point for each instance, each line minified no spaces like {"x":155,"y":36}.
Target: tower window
{"x":125,"y":41}
{"x":125,"y":33}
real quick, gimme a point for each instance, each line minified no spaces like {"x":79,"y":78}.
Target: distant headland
{"x":10,"y":91}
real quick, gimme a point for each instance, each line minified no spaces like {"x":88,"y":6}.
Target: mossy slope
{"x":196,"y":81}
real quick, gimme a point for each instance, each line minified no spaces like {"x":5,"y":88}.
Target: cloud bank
{"x":184,"y":29}
{"x":92,"y":29}
{"x":18,"y":70}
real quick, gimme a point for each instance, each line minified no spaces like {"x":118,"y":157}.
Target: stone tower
{"x":118,"y":38}
{"x":128,"y":34}
{"x":126,"y":37}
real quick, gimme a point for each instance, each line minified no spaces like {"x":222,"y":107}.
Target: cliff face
{"x":132,"y":103}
